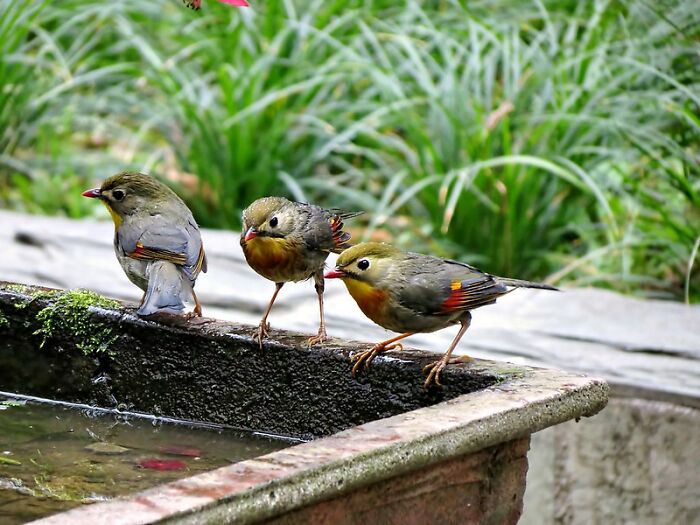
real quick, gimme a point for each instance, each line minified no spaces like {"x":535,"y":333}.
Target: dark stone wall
{"x":213,"y":371}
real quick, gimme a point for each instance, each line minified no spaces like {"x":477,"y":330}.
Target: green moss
{"x":46,"y":295}
{"x":62,"y":488}
{"x":16,"y":288}
{"x":69,"y":313}
{"x":34,"y":294}
{"x":4,"y":321}
{"x":506,"y":375}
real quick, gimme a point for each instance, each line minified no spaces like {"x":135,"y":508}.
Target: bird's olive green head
{"x":128,"y":193}
{"x":269,"y":217}
{"x":367,"y":261}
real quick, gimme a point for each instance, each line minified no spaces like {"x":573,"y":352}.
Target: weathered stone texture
{"x":484,"y":488}
{"x":637,"y":462}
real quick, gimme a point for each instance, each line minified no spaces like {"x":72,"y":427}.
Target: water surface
{"x":56,"y":457}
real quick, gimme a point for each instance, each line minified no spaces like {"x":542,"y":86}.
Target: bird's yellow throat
{"x":115,"y":216}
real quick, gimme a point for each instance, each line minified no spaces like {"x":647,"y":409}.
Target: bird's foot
{"x":261,"y":333}
{"x":434,"y":370}
{"x":318,"y":339}
{"x":193,"y":314}
{"x":365,"y":358}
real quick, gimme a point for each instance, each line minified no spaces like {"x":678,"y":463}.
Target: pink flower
{"x":197,"y":4}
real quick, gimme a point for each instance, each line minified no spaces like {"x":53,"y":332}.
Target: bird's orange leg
{"x":321,"y":336}
{"x":435,"y":369}
{"x":197,"y":312}
{"x":368,"y":356}
{"x":264,"y":326}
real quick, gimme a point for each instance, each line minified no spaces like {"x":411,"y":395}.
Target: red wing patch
{"x":145,"y":253}
{"x":467,"y":295}
{"x":340,"y":237}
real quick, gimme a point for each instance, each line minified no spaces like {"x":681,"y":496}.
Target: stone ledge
{"x":383,"y":424}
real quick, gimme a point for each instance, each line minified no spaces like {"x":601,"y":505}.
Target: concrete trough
{"x":379,"y":448}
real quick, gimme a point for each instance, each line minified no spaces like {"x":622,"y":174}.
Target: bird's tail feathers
{"x":166,"y":286}
{"x":345,"y":214}
{"x":343,"y":246}
{"x":518,"y":283}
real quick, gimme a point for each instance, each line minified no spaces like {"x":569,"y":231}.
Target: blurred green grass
{"x":535,"y":139}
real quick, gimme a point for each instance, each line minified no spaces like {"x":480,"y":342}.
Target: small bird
{"x":156,"y":239}
{"x":409,"y":293}
{"x":197,"y":4}
{"x":288,"y":241}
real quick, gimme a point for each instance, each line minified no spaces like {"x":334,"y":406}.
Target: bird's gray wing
{"x":315,"y":227}
{"x":435,"y":286}
{"x":324,"y":229}
{"x":178,"y":243}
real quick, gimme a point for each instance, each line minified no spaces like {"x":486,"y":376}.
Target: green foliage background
{"x":534,"y":139}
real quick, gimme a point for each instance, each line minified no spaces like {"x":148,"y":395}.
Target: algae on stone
{"x":33,"y":295}
{"x":15,"y":288}
{"x":69,"y":312}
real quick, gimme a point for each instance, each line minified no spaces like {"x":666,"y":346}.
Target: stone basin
{"x":379,"y":447}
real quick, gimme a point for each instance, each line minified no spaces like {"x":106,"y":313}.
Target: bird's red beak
{"x":334,"y":274}
{"x":251,"y":234}
{"x":94,"y":193}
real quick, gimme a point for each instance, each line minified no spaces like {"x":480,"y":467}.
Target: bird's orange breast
{"x":372,"y":301}
{"x":266,"y":255}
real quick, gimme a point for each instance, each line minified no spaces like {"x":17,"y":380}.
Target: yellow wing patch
{"x":144,"y":253}
{"x":200,"y":261}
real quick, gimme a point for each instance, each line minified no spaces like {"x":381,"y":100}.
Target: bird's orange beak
{"x":94,"y":193}
{"x":251,"y":234}
{"x":335,"y":274}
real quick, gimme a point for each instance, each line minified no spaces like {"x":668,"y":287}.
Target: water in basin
{"x":55,"y":457}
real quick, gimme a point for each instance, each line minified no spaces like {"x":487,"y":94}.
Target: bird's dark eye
{"x":273,"y":222}
{"x":118,"y":195}
{"x":363,"y":264}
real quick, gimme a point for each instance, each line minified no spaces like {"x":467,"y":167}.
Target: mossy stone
{"x":70,"y":312}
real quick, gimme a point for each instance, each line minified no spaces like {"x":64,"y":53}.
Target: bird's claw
{"x":196,"y":312}
{"x":368,"y":356}
{"x":395,"y":346}
{"x":261,"y":333}
{"x":434,"y":370}
{"x":365,"y":357}
{"x":318,"y":339}
{"x":193,"y":314}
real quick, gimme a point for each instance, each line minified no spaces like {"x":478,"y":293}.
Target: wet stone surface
{"x":213,"y":371}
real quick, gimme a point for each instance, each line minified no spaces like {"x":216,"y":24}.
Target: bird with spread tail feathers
{"x":409,"y":293}
{"x":286,"y":241}
{"x":156,"y":240}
